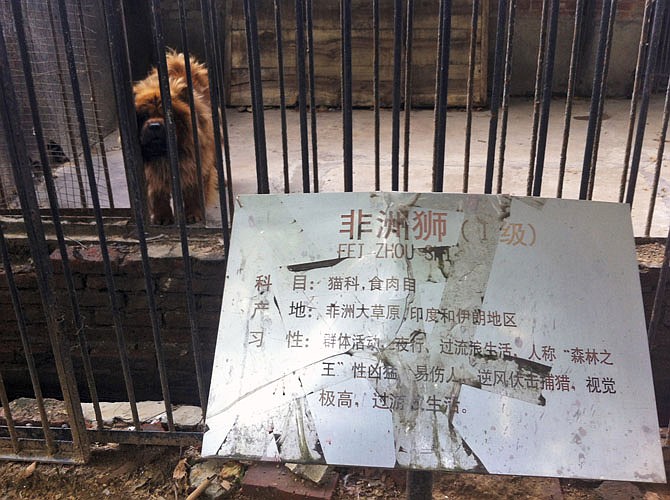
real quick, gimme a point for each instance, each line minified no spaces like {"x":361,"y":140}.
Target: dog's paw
{"x":162,"y":219}
{"x":193,"y":218}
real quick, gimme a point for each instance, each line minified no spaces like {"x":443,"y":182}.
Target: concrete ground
{"x":517,"y":153}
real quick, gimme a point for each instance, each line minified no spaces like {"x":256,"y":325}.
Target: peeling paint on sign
{"x":435,"y":331}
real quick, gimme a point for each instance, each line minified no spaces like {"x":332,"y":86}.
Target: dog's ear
{"x":179,"y":89}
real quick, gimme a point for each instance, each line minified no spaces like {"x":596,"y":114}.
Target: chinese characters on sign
{"x":431,"y":331}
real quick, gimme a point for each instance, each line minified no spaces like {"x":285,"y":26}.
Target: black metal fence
{"x":54,"y":154}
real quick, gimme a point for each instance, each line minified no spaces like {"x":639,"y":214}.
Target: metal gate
{"x":382,"y":71}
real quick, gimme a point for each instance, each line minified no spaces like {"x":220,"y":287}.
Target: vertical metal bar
{"x":94,"y":103}
{"x":601,"y":103}
{"x":375,"y":86}
{"x":282,"y":93}
{"x":659,"y":160}
{"x":88,"y":160}
{"x":496,"y":89}
{"x":125,"y":111}
{"x":506,"y":91}
{"x":419,"y":485}
{"x":572,"y":75}
{"x":191,"y":105}
{"x":8,"y":416}
{"x":302,"y":93}
{"x":3,"y":196}
{"x":547,"y":80}
{"x":219,"y":122}
{"x":470,"y":94}
{"x":216,"y":37}
{"x":658,"y":310}
{"x":644,"y":102}
{"x":395,"y":118}
{"x":40,"y":255}
{"x":536,"y":96}
{"x":639,"y":71}
{"x":157,"y":30}
{"x":408,"y":91}
{"x":17,"y":14}
{"x":595,"y":99}
{"x":25,"y":343}
{"x":347,"y":126}
{"x":66,"y":109}
{"x":312,"y":93}
{"x":662,"y":60}
{"x":256,"y":85}
{"x":441,"y":94}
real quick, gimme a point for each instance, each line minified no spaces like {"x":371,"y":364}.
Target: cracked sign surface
{"x":434,"y":331}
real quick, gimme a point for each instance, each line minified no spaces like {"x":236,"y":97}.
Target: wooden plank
{"x":326,"y":14}
{"x":327,"y":47}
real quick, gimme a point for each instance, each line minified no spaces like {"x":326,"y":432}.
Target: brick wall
{"x":168,"y":272}
{"x":88,"y":272}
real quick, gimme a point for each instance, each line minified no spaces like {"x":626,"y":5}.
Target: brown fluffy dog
{"x":153,"y":140}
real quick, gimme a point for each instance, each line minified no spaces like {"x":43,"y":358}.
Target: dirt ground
{"x":124,"y":472}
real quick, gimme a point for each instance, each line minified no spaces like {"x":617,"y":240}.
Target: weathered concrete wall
{"x":621,"y":72}
{"x":628,"y":23}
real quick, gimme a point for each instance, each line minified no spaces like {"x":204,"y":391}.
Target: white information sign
{"x":435,"y":331}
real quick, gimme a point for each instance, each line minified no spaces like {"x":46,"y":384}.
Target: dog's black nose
{"x":154,"y":126}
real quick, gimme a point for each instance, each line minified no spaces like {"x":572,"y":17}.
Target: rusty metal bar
{"x":25,"y":343}
{"x":17,"y":13}
{"x":191,"y":106}
{"x":94,"y":103}
{"x":13,"y":436}
{"x":647,"y":87}
{"x":218,"y":119}
{"x":496,"y":90}
{"x":511,"y":16}
{"x":601,"y":101}
{"x":40,"y":255}
{"x":157,"y":29}
{"x":419,"y":485}
{"x":152,"y":438}
{"x":408,"y":91}
{"x":302,"y":91}
{"x":659,"y":160}
{"x":569,"y":98}
{"x":547,"y":81}
{"x":256,"y":86}
{"x":215,"y":38}
{"x":133,"y":162}
{"x":66,"y":109}
{"x":88,"y":161}
{"x":375,"y":86}
{"x":541,"y":50}
{"x":595,"y":99}
{"x":441,"y":92}
{"x":312,"y":93}
{"x":282,"y":93}
{"x":470,"y":93}
{"x":395,"y":110}
{"x":658,"y":310}
{"x":347,"y":99}
{"x":639,"y":72}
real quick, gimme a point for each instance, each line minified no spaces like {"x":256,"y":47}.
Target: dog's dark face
{"x":151,"y":128}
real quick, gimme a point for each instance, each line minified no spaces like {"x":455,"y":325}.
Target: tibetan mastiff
{"x":153,"y":140}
